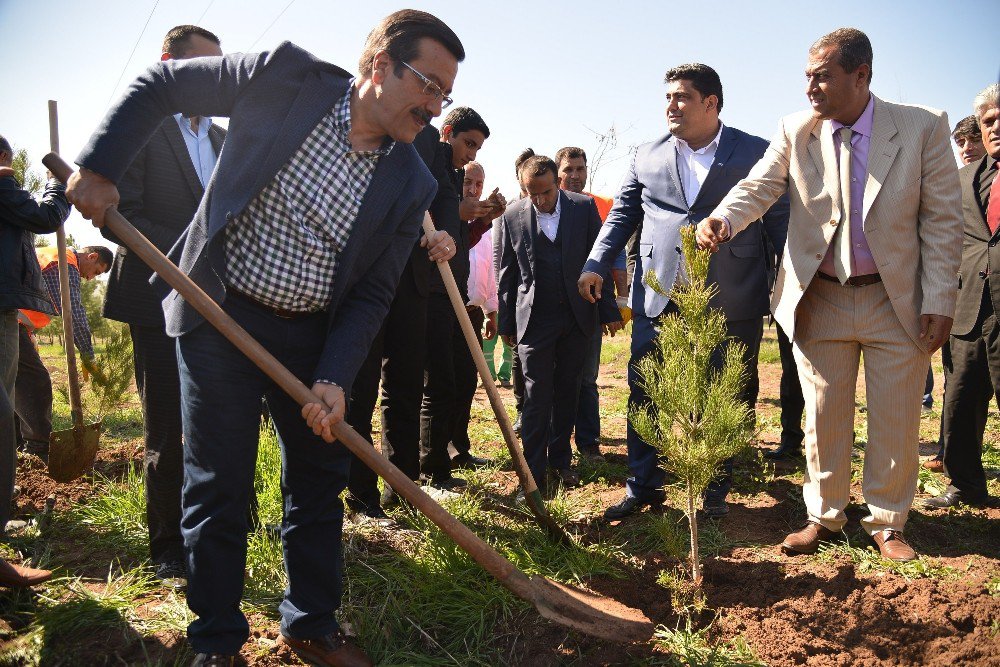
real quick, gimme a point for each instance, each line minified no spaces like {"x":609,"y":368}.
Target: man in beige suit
{"x":869,"y":269}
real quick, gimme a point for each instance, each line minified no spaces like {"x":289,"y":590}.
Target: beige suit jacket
{"x":912,"y":208}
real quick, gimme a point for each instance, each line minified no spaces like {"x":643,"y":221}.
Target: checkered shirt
{"x":81,"y":328}
{"x":282,"y":249}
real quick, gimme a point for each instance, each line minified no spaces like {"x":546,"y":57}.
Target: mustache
{"x":423,"y":115}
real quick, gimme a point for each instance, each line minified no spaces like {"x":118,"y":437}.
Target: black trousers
{"x":33,"y":398}
{"x":552,"y":353}
{"x":397,"y":359}
{"x":793,"y":404}
{"x":438,"y":411}
{"x":158,"y":382}
{"x":517,"y":376}
{"x":972,"y":379}
{"x":466,"y":380}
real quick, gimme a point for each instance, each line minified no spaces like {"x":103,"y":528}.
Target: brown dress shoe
{"x":892,"y":545}
{"x":806,"y":540}
{"x":934,"y":465}
{"x":333,"y":650}
{"x":569,"y":477}
{"x":18,"y":576}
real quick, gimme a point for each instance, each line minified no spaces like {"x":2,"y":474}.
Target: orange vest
{"x":604,"y":204}
{"x":47,"y":256}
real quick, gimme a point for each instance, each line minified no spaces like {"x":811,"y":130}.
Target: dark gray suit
{"x":972,"y":374}
{"x":160,"y":193}
{"x":540,"y":306}
{"x":274,"y":100}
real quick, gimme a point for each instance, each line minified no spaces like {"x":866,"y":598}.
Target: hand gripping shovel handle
{"x":494,"y":563}
{"x":531,"y":495}
{"x":75,"y":402}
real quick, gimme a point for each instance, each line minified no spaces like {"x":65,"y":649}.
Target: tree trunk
{"x":693,"y":524}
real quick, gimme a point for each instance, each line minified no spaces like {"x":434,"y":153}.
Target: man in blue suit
{"x":675,"y":181}
{"x":302,"y":235}
{"x":544,"y":240}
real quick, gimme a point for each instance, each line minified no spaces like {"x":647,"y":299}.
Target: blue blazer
{"x":579,"y":224}
{"x":273,"y":100}
{"x":651,"y":199}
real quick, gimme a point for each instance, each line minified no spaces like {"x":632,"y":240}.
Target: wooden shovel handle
{"x":75,"y":401}
{"x":491,"y":560}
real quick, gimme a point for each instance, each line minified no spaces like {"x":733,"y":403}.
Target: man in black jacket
{"x":21,"y":217}
{"x":160,"y":193}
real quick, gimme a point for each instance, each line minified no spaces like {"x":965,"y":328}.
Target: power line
{"x":198,"y":22}
{"x":271,"y":25}
{"x":134,"y":47}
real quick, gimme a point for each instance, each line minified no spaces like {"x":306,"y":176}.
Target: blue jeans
{"x":221,"y":393}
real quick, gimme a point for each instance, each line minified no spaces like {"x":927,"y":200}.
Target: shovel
{"x":71,"y":452}
{"x":569,"y":606}
{"x":531,"y":495}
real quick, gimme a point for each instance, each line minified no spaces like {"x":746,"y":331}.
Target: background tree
{"x":25,"y":176}
{"x":695,"y":417}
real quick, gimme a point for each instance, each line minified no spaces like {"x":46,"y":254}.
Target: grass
{"x":690,"y":646}
{"x":868,"y":559}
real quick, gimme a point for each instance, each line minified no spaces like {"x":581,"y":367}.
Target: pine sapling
{"x":694,"y":417}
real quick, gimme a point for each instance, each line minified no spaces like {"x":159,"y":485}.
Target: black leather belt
{"x":283,"y":313}
{"x":853,"y":281}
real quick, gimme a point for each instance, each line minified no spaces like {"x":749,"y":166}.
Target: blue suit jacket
{"x":579,"y":224}
{"x":274,"y":100}
{"x":651,"y":199}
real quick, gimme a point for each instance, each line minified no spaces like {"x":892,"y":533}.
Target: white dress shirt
{"x":695,"y":165}
{"x":482,"y":278}
{"x":199,"y":146}
{"x":549,"y":222}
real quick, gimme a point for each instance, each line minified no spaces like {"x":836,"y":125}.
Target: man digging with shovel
{"x":302,"y":235}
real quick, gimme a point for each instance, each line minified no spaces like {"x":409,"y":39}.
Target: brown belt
{"x":853,"y":281}
{"x":283,"y":313}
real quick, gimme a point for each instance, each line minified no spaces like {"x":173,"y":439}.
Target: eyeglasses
{"x":431,"y":88}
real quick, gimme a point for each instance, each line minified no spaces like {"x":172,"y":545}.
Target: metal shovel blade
{"x":589,"y":613}
{"x":72,"y":452}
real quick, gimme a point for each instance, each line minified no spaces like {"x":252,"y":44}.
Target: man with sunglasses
{"x":302,"y":234}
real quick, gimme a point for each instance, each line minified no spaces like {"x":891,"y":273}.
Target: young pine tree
{"x":695,"y":417}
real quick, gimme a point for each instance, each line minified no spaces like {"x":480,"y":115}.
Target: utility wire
{"x":292,"y":2}
{"x":134,"y":47}
{"x":198,"y":22}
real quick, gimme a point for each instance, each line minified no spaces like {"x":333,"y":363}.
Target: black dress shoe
{"x":591,"y":453}
{"x":630,"y":505}
{"x":213,"y":660}
{"x":468,"y":460}
{"x":173,"y":574}
{"x":785,"y":450}
{"x":715,"y":508}
{"x":447,"y":483}
{"x":517,"y":425}
{"x":956,"y":499}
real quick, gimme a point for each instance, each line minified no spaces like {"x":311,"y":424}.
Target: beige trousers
{"x":835,"y":325}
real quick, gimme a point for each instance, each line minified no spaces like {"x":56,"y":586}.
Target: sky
{"x":542,"y":74}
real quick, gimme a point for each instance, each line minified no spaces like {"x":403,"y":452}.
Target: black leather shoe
{"x":715,"y":509}
{"x":785,"y":451}
{"x":630,"y":506}
{"x":213,"y":660}
{"x":448,"y":483}
{"x":469,"y":461}
{"x":517,"y":425}
{"x":173,"y":574}
{"x":956,"y":499}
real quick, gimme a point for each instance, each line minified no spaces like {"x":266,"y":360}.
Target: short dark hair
{"x":178,"y":39}
{"x":104,"y":254}
{"x":570,"y":153}
{"x":399,"y":34}
{"x":537,"y":165}
{"x":463,"y":119}
{"x":519,"y":160}
{"x":704,"y":79}
{"x":5,"y":146}
{"x":967,"y":128}
{"x":854,"y":49}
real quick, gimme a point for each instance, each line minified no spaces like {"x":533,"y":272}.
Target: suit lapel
{"x":822,"y":151}
{"x":881,"y":153}
{"x":217,"y":136}
{"x":176,"y":141}
{"x":529,"y":231}
{"x":727,"y":144}
{"x":975,"y":200}
{"x":673,"y":175}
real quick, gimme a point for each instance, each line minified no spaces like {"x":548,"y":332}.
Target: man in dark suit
{"x":545,"y":238}
{"x":703,"y":160}
{"x":972,"y":372}
{"x":302,"y":235}
{"x":398,"y":353}
{"x":160,"y":193}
